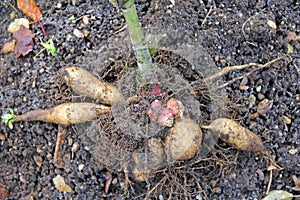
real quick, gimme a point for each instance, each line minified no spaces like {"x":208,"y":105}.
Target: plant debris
{"x":30,"y":8}
{"x":61,"y":185}
{"x":279,"y":195}
{"x":15,"y":25}
{"x":24,"y":41}
{"x":49,"y":46}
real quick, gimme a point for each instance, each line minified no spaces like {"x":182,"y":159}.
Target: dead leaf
{"x":243,"y":84}
{"x":108,"y":178}
{"x":3,"y":191}
{"x":24,"y":41}
{"x":38,"y":160}
{"x":15,"y":25}
{"x":264,"y":106}
{"x":291,"y":35}
{"x":297,"y":183}
{"x":290,"y":49}
{"x":30,"y":8}
{"x":278,"y":195}
{"x":61,"y":185}
{"x":8,"y":47}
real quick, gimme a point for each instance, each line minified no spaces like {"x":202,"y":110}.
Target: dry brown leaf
{"x":291,"y":35}
{"x":8,"y":47}
{"x":30,"y":8}
{"x":60,"y":184}
{"x":264,"y":106}
{"x":3,"y":191}
{"x":297,"y":183}
{"x":24,"y":41}
{"x":108,"y":178}
{"x":243,"y":84}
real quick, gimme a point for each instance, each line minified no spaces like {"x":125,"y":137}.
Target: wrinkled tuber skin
{"x":184,"y":139}
{"x":85,"y":83}
{"x":65,"y":114}
{"x":234,"y":134}
{"x":148,"y":158}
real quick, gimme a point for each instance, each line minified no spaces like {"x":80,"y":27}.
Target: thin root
{"x":229,"y":69}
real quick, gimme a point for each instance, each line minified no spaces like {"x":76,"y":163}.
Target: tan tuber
{"x":184,"y":139}
{"x":234,"y":134}
{"x":85,"y":83}
{"x":65,"y":114}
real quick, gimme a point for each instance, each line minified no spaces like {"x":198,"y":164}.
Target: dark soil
{"x":232,"y":32}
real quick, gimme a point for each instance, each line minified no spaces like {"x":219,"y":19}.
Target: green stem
{"x":139,"y":45}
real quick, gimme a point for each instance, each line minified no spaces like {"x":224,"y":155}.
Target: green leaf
{"x":279,"y":195}
{"x":72,"y":19}
{"x":7,"y":118}
{"x":10,"y":125}
{"x":50,"y":47}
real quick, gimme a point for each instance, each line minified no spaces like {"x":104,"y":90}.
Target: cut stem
{"x":139,"y":45}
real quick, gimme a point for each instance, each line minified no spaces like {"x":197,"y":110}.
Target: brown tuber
{"x":65,"y":114}
{"x":234,"y":134}
{"x":148,"y":159}
{"x":85,"y":83}
{"x":184,"y":139}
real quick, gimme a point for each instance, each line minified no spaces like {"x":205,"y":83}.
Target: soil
{"x":229,"y":32}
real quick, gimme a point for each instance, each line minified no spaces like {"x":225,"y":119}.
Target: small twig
{"x":59,"y":142}
{"x":41,"y":51}
{"x":270,"y":181}
{"x":120,"y":30}
{"x":207,"y":15}
{"x":13,"y":7}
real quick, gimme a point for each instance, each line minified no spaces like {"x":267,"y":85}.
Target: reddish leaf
{"x":24,"y":41}
{"x":155,"y":90}
{"x":30,"y":8}
{"x":3,"y":191}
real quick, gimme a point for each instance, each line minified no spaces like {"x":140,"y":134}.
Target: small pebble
{"x":2,"y":137}
{"x":293,"y":151}
{"x":38,"y":160}
{"x":75,"y":147}
{"x":271,"y":24}
{"x":80,"y":167}
{"x":114,"y":181}
{"x":59,"y":5}
{"x":287,"y":120}
{"x":70,"y":141}
{"x":258,"y":88}
{"x":78,"y":33}
{"x":217,"y":190}
{"x":85,"y":19}
{"x":10,"y":79}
